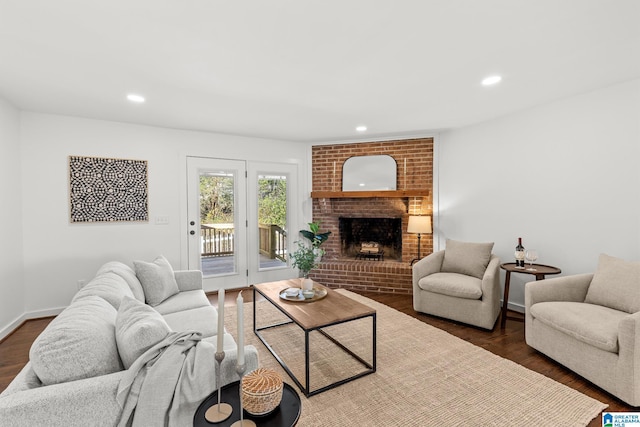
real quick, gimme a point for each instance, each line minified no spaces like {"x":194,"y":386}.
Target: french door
{"x":238,"y":216}
{"x":216,"y":215}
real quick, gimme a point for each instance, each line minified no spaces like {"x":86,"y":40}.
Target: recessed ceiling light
{"x":135,"y":98}
{"x":491,"y":80}
{"x":361,"y":128}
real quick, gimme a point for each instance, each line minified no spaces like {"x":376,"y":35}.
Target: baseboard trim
{"x":18,"y":321}
{"x":8,"y":330}
{"x":516,"y":307}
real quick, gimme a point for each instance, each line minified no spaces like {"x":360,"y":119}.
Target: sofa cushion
{"x":452,"y":284}
{"x":157,"y":279}
{"x":127,"y":273}
{"x":201,"y":319}
{"x":138,"y":328}
{"x":467,"y":258}
{"x":79,"y":343}
{"x":181,"y":301}
{"x":108,"y":286}
{"x":616,"y":284}
{"x":595,"y":325}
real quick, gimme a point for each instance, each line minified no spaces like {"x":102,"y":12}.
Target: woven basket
{"x":261,"y":391}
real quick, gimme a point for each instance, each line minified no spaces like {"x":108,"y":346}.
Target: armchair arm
{"x":628,"y":369}
{"x":188,"y":280}
{"x":430,"y":264}
{"x":491,"y":280}
{"x":569,"y":288}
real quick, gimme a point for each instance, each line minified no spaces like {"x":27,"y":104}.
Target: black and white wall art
{"x":107,"y":190}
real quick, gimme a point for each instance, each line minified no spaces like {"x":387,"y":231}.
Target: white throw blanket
{"x":166,"y":384}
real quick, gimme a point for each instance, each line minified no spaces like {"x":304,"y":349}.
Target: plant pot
{"x":307,"y":284}
{"x":318,"y":255}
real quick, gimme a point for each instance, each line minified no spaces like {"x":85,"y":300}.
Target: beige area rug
{"x":424,"y":377}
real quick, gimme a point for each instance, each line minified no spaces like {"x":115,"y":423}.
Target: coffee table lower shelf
{"x":285,"y":415}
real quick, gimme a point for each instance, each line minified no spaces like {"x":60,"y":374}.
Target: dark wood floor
{"x":508,"y":343}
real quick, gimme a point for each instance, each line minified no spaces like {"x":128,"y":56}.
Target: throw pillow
{"x":79,"y":343}
{"x":107,"y":286}
{"x":467,"y":258}
{"x":127,"y":274}
{"x":157,"y":278}
{"x":616,"y":284}
{"x":138,"y":328}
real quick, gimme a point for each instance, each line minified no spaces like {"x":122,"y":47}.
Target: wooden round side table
{"x":538,"y":270}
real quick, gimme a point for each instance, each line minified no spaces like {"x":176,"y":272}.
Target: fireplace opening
{"x":358,"y":234}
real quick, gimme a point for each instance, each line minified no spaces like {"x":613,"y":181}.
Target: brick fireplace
{"x":340,"y":267}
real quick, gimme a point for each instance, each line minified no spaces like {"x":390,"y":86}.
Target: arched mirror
{"x":366,"y":173}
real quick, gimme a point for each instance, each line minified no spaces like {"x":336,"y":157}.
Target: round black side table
{"x":285,"y":415}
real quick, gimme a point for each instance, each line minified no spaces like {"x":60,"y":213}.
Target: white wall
{"x":564,"y":177}
{"x":11,"y":279}
{"x":56,"y":253}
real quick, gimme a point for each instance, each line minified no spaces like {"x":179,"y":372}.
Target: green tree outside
{"x":272,"y":200}
{"x":216,"y":200}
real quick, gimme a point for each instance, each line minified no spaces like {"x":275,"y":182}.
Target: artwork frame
{"x":103,"y":189}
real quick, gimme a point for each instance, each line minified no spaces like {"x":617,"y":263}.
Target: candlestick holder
{"x":221,"y":411}
{"x":242,"y":422}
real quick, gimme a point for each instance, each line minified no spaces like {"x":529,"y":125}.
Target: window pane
{"x":272,"y":220}
{"x":217,"y":254}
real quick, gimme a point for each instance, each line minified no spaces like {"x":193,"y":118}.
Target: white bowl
{"x":292,"y":292}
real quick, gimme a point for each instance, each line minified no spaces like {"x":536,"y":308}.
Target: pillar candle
{"x":239,"y":302}
{"x":220,"y":342}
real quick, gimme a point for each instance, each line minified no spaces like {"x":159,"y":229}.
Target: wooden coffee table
{"x":331,"y":310}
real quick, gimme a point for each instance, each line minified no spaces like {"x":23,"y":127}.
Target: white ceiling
{"x":310,"y":70}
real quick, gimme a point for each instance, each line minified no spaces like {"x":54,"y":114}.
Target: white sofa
{"x":590,"y":323}
{"x":76,"y":364}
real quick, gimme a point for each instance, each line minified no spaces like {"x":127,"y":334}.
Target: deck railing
{"x":218,"y":240}
{"x":273,"y":241}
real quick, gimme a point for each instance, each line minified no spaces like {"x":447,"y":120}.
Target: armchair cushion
{"x":467,"y":258}
{"x":616,"y":284}
{"x":157,"y":279}
{"x":592,"y":324}
{"x":452,"y":284}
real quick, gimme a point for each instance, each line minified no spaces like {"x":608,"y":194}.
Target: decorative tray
{"x":318,"y":294}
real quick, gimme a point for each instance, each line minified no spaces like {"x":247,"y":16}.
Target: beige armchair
{"x":590,"y":323}
{"x":460,"y":283}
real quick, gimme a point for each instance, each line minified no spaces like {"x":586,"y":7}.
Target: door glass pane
{"x":272,"y":220}
{"x":217,"y":253}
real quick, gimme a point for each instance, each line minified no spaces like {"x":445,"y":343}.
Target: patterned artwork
{"x":107,"y":190}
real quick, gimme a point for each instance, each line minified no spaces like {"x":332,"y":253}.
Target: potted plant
{"x":313,"y":234}
{"x":304,"y":259}
{"x":307,"y":257}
